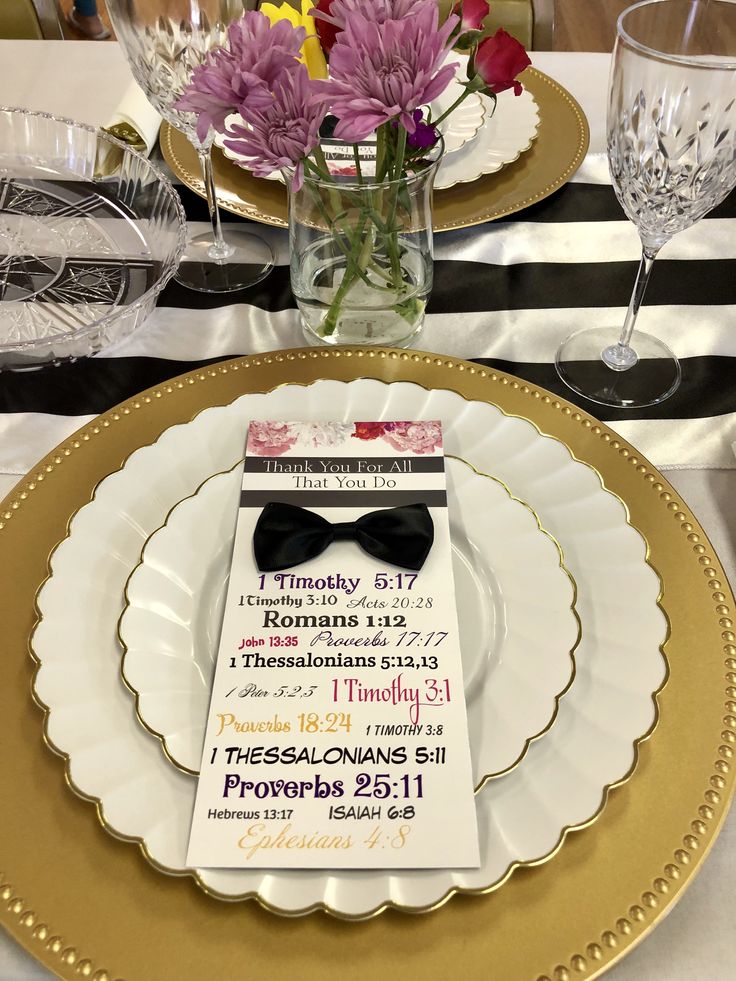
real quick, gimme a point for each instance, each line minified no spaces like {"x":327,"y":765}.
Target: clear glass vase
{"x":361,"y":252}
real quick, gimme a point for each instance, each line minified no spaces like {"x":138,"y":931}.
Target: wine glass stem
{"x":219,"y":250}
{"x":621,"y":356}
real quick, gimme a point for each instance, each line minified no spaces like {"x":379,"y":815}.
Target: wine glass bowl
{"x":164,"y":41}
{"x":162,"y":55}
{"x":671,"y":134}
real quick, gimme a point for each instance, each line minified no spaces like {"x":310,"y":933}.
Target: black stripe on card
{"x":323,"y":466}
{"x":344,"y":498}
{"x":461,"y":286}
{"x":90,"y":386}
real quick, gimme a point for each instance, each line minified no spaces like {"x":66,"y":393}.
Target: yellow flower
{"x":311,"y":49}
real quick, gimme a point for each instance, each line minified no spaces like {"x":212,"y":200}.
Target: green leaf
{"x":410,"y":309}
{"x":403,"y":198}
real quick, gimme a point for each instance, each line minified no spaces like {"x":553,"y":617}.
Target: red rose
{"x":326,"y":31}
{"x":472,"y":13}
{"x":498,"y":60}
{"x":369,"y":430}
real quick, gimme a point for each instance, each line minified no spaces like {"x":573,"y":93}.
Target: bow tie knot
{"x":286,"y":535}
{"x":344,"y":531}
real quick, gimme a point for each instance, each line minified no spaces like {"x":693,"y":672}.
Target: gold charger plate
{"x":556,"y":153}
{"x":86,"y":905}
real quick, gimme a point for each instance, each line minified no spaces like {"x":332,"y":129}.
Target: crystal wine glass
{"x":672,"y":157}
{"x":164,"y":40}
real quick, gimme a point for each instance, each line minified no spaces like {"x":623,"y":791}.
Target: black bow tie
{"x":286,"y":535}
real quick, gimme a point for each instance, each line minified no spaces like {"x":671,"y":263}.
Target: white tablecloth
{"x":85,"y":82}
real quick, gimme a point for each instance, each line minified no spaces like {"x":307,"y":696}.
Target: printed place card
{"x":337,"y":734}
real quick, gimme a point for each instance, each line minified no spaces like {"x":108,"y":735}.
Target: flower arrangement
{"x":367,"y":72}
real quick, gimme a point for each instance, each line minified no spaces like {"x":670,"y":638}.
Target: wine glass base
{"x":250,"y":260}
{"x":651,"y":379}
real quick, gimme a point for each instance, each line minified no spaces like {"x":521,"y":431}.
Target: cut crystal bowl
{"x":90,"y":233}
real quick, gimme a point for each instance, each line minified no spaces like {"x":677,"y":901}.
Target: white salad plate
{"x":508,"y":130}
{"x":506,"y":133}
{"x":510,"y":585}
{"x":562,"y":782}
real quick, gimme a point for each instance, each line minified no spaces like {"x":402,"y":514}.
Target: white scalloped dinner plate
{"x":511,"y":590}
{"x":523,"y":816}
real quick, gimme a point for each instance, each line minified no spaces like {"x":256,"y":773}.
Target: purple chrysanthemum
{"x":386,"y":71}
{"x":242,"y":73}
{"x":375,"y":11}
{"x":284,"y":132}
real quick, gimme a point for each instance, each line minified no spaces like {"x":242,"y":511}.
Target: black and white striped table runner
{"x":505,"y":294}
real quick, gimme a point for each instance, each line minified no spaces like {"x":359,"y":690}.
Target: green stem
{"x":352,"y":196}
{"x":453,"y":107}
{"x":322,"y":162}
{"x":400,"y":153}
{"x":334,"y":227}
{"x":379,"y":271}
{"x":381,"y":153}
{"x":332,"y":222}
{"x":355,"y":267}
{"x":356,"y":157}
{"x":358,"y":244}
{"x":392,"y":240}
{"x":323,"y":173}
{"x":312,"y":168}
{"x":329,"y":321}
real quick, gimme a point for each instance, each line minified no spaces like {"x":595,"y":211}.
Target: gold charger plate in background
{"x":88,"y":905}
{"x":556,"y":153}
